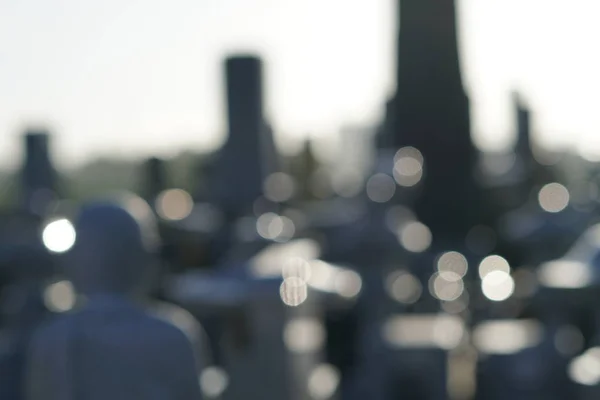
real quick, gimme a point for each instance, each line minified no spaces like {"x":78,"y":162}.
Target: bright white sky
{"x":134,"y":77}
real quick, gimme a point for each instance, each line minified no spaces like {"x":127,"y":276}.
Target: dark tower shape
{"x":154,"y":178}
{"x":38,"y":176}
{"x":385,"y":135}
{"x":523,"y":146}
{"x":246,"y":159}
{"x":432,"y":114}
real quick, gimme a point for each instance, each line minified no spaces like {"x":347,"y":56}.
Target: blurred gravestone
{"x":38,"y":177}
{"x":110,"y":348}
{"x":431,"y":114}
{"x":25,"y":268}
{"x":246,"y":159}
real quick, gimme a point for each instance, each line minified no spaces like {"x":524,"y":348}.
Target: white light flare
{"x":498,"y":286}
{"x":59,"y":235}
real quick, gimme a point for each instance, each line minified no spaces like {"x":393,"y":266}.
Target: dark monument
{"x":523,"y":145}
{"x":154,"y":178}
{"x":245,"y":160}
{"x":38,"y":177}
{"x":432,"y":115}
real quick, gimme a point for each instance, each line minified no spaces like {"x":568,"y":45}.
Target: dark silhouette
{"x":247,"y":157}
{"x":39,"y":180}
{"x":24,"y":270}
{"x":110,"y":348}
{"x":431,"y":113}
{"x":155,"y":179}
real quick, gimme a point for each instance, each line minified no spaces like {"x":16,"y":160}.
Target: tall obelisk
{"x":248,"y":156}
{"x":431,"y":113}
{"x":38,"y":176}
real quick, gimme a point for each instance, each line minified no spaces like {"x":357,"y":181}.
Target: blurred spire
{"x":523,"y":146}
{"x":248,"y":156}
{"x":154,"y":181}
{"x":431,"y":113}
{"x":38,"y":176}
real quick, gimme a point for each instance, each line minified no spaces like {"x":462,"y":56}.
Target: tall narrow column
{"x":154,"y":178}
{"x":523,"y":145}
{"x":432,"y":115}
{"x":246,"y":159}
{"x":38,"y":176}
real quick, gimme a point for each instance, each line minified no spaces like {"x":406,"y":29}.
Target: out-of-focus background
{"x":391,"y":198}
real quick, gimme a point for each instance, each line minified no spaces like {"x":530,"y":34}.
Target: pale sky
{"x":139,"y":77}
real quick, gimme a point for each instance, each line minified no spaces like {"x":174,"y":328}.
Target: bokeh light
{"x":381,"y":188}
{"x":507,"y":336}
{"x":279,"y":187}
{"x":174,"y":204}
{"x":213,"y":381}
{"x":422,"y":331}
{"x":585,"y":369}
{"x":565,"y":274}
{"x":493,"y":263}
{"x":408,"y":166}
{"x":403,"y":287}
{"x":347,"y":183}
{"x":297,"y":267}
{"x":304,"y":335}
{"x":446,"y":286}
{"x":553,"y":197}
{"x":59,"y":235}
{"x":497,"y":285}
{"x":275,"y":227}
{"x":347,"y":283}
{"x":293,"y":291}
{"x":454,"y":262}
{"x":323,"y":382}
{"x":59,"y":296}
{"x":415,"y":237}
